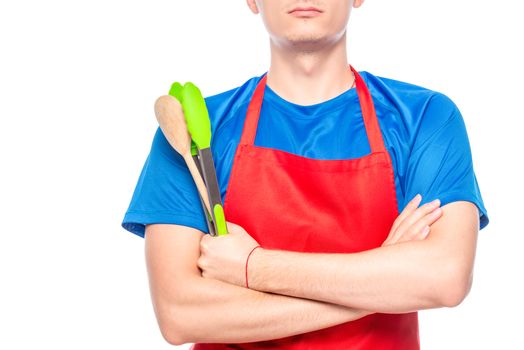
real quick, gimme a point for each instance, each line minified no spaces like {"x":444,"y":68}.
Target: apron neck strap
{"x":366,"y":105}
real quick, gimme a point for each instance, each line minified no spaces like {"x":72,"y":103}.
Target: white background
{"x":77,"y":85}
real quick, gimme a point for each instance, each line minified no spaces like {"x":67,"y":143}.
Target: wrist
{"x":248,"y":267}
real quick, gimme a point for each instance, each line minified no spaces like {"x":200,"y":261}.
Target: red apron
{"x":295,"y":203}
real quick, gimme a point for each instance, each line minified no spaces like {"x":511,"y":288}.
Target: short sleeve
{"x":165,"y":192}
{"x":440,"y":164}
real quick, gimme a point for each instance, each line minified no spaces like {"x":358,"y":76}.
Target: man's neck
{"x":307,"y":78}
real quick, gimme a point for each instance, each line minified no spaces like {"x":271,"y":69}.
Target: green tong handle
{"x":199,"y":126}
{"x":176,"y":92}
{"x":221,"y":220}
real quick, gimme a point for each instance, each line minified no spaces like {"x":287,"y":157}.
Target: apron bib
{"x":295,"y":203}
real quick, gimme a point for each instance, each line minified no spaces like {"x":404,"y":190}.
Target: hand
{"x":414,"y":223}
{"x":224,"y":257}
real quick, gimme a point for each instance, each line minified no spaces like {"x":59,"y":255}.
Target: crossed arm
{"x":411,"y":275}
{"x":399,"y":278}
{"x":193,"y":309}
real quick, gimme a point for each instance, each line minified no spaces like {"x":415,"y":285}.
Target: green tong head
{"x":199,"y":127}
{"x":176,"y":92}
{"x":197,"y":116}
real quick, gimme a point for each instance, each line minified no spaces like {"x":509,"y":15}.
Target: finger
{"x":231,"y":228}
{"x":419,"y":230}
{"x":234,"y":228}
{"x":231,"y":225}
{"x":200,"y":263}
{"x":404,"y":231}
{"x":204,"y":242}
{"x":420,"y":213}
{"x":425,"y":232}
{"x":386,"y":242}
{"x":415,"y":235}
{"x":408,"y":209}
{"x":427,"y":220}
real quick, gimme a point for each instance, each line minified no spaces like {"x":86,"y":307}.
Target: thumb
{"x":232,"y":227}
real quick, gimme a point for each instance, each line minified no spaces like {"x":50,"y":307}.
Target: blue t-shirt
{"x":423,"y":131}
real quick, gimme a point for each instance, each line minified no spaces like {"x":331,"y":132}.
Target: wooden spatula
{"x":170,"y":116}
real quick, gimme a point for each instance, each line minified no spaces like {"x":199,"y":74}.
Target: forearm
{"x":218,"y":312}
{"x":391,"y":279}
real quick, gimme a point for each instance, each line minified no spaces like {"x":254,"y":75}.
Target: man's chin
{"x":306,"y":42}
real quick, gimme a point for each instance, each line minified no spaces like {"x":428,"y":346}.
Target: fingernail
{"x":425,"y":231}
{"x":417,"y":197}
{"x":436,"y":202}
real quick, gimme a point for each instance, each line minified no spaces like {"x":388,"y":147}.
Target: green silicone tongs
{"x":199,"y":127}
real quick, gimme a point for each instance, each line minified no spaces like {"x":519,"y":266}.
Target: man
{"x":359,"y":189}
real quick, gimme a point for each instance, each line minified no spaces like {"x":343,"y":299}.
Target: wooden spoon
{"x":170,"y":116}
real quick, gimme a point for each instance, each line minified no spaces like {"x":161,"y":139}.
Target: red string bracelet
{"x":247,"y":260}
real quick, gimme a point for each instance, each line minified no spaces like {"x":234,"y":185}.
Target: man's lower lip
{"x":306,"y":13}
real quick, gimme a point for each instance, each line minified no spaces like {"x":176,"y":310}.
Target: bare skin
{"x":183,"y":302}
{"x":400,"y":276}
{"x":309,"y":62}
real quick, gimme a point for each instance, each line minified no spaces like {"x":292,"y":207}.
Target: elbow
{"x":455,"y":286}
{"x":170,"y":322}
{"x":179,"y":315}
{"x":172,"y":332}
{"x":173,"y":339}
